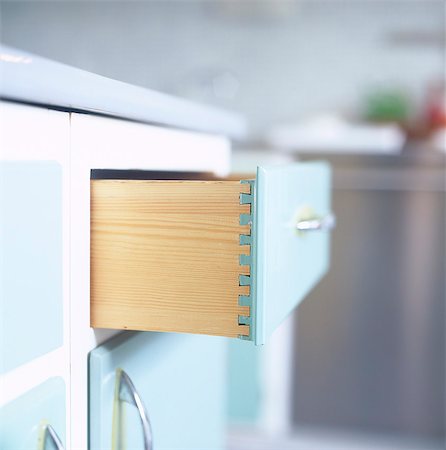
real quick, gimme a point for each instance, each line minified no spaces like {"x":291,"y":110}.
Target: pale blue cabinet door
{"x":22,"y":421}
{"x":288,"y":263}
{"x":245,"y":382}
{"x":180,"y":379}
{"x":31,"y":261}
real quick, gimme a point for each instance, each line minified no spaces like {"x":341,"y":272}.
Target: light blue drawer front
{"x":288,"y":263}
{"x":180,"y":379}
{"x":23,"y":420}
{"x":31,"y":261}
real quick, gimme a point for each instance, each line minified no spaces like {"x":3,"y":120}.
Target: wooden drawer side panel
{"x":165,"y":256}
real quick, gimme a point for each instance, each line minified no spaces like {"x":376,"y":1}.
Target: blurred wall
{"x":274,"y":61}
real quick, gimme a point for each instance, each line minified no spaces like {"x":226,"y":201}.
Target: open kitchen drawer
{"x":219,"y":257}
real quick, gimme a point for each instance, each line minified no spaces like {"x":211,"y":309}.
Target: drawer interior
{"x":170,"y":254}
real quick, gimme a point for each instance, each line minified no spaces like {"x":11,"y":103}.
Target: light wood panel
{"x":165,"y":256}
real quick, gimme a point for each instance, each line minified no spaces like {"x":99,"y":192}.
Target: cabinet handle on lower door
{"x":324,"y":223}
{"x":126,"y":392}
{"x":49,"y":439}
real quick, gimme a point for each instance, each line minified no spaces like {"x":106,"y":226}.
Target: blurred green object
{"x":387,"y":105}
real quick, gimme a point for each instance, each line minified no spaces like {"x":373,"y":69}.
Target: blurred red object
{"x":435,"y":109}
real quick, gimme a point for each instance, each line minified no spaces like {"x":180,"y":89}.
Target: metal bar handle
{"x":129,"y":394}
{"x":325,"y":223}
{"x":49,"y":434}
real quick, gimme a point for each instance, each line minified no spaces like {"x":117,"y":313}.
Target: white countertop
{"x":31,"y":79}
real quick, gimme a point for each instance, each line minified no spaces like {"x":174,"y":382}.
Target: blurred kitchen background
{"x":361,"y":365}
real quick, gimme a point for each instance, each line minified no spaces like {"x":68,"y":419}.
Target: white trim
{"x":20,"y":380}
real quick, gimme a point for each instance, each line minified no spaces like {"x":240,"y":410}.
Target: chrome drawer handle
{"x":48,"y":434}
{"x":324,"y":223}
{"x":128,"y":394}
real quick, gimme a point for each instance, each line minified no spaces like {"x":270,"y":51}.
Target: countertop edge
{"x":27,"y":78}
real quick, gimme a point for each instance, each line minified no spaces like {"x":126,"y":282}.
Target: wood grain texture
{"x":165,"y":256}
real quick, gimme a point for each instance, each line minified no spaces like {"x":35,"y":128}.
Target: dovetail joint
{"x":247,"y":259}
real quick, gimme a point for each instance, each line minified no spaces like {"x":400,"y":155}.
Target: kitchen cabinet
{"x":228,"y":258}
{"x":243,"y":254}
{"x":179,"y":381}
